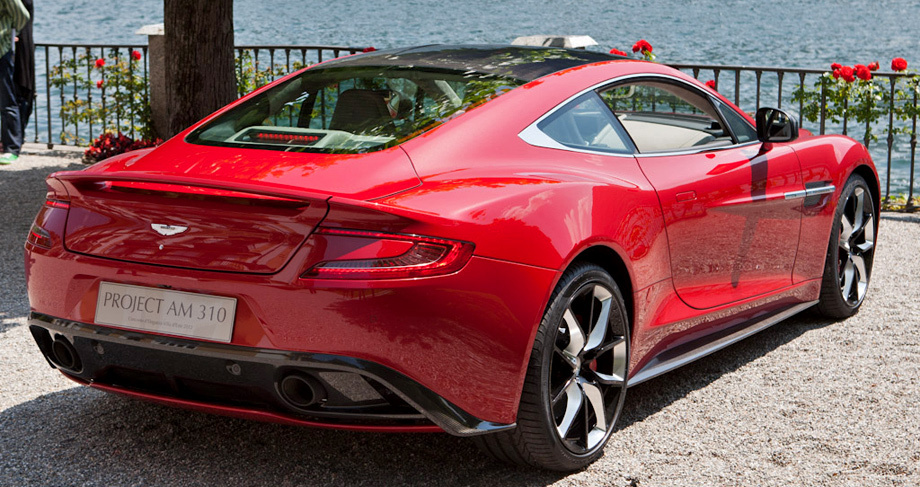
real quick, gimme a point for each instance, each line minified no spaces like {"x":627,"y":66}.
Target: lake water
{"x":778,"y":32}
{"x":792,"y":33}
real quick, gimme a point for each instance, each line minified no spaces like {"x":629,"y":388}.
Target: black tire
{"x":573,"y":374}
{"x":848,"y":263}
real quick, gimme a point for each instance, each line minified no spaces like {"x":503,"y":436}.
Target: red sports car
{"x":491,"y":241}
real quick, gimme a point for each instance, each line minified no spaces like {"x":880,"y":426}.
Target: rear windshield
{"x":351,"y":109}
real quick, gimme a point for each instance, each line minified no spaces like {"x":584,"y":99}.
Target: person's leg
{"x":10,"y":128}
{"x":25,"y":112}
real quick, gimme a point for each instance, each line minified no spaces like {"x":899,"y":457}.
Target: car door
{"x":732,"y":234}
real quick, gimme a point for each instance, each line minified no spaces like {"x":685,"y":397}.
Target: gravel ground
{"x":807,"y":402}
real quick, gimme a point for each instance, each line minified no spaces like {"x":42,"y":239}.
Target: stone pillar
{"x":156,"y":76}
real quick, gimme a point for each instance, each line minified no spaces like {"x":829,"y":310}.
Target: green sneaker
{"x":8,"y":158}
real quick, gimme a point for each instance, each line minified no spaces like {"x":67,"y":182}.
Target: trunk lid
{"x":218,"y":209}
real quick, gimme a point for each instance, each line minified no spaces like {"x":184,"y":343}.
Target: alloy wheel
{"x":855,"y":244}
{"x":588,"y":369}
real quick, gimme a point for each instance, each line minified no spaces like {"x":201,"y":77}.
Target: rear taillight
{"x":51,"y":218}
{"x":360,"y":254}
{"x":57,"y":196}
{"x":40,"y":237}
{"x":63,"y":205}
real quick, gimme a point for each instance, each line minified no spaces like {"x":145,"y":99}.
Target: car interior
{"x":355,"y":110}
{"x":663,"y":117}
{"x":650,"y":117}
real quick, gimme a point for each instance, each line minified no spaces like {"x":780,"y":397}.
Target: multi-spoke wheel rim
{"x":588,"y":368}
{"x":854,"y":246}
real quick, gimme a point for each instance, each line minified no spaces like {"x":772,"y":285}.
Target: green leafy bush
{"x":109,"y":92}
{"x":852,"y":93}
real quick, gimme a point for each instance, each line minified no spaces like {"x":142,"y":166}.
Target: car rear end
{"x":249,"y":271}
{"x":269,"y":304}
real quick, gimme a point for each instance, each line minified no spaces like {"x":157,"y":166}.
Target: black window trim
{"x":719,"y":104}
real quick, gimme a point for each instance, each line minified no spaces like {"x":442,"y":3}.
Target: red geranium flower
{"x":898,"y":64}
{"x":847,"y":73}
{"x":862,"y":72}
{"x":100,"y":63}
{"x":369,"y":49}
{"x":618,"y":52}
{"x":711,"y":83}
{"x":873,"y":66}
{"x":642,"y":45}
{"x":135,"y":55}
{"x":99,"y":84}
{"x":836,"y":66}
{"x":837,"y":73}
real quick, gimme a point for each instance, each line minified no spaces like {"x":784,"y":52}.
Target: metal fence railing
{"x":83,"y":90}
{"x":76,"y":99}
{"x":71,"y":82}
{"x":259,"y":65}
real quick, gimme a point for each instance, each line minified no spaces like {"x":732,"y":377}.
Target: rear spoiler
{"x":355,"y":209}
{"x":78,"y":178}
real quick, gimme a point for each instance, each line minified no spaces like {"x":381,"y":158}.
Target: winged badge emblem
{"x":167,"y":230}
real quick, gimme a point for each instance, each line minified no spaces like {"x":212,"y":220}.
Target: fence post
{"x":156,"y":77}
{"x":913,"y":157}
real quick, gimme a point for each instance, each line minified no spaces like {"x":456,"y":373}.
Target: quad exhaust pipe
{"x":64,"y":354}
{"x":300,"y":391}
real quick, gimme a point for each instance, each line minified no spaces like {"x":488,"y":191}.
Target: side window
{"x":663,"y":117}
{"x":740,"y":127}
{"x":585,"y":123}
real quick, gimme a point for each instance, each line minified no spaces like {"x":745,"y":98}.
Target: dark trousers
{"x":26,"y":98}
{"x":10,"y":124}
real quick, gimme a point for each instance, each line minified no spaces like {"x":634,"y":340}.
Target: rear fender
{"x":546,"y":221}
{"x":538,"y":219}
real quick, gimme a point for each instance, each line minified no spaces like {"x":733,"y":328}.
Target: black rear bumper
{"x":319,"y":388}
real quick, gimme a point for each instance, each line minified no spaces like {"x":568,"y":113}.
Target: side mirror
{"x":775,"y":125}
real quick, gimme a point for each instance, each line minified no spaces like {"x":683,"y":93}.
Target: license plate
{"x":163,"y":311}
